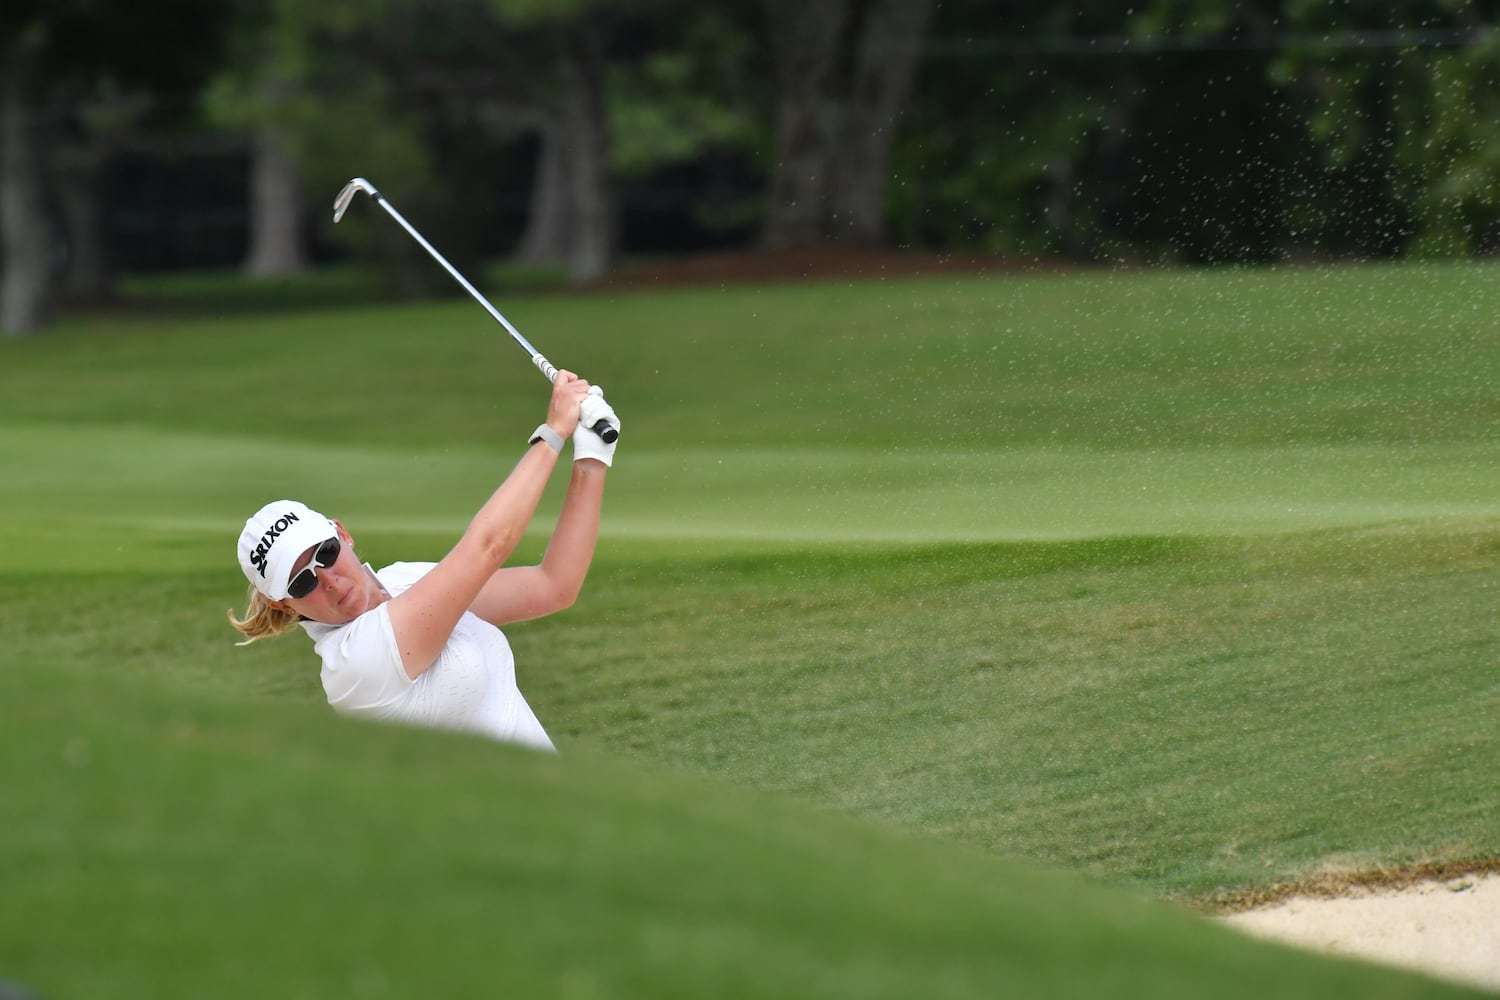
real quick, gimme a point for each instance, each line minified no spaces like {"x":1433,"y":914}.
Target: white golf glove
{"x":586,"y":443}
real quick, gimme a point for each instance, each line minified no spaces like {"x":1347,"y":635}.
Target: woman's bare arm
{"x":522,"y":592}
{"x":424,"y":616}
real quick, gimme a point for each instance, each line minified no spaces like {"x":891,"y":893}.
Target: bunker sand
{"x":1449,"y":928}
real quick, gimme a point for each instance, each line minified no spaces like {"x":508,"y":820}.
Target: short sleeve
{"x":362,"y":669}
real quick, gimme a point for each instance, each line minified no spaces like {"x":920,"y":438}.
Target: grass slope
{"x":182,"y":846}
{"x":1182,"y":581}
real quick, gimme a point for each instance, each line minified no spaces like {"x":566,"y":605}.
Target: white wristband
{"x":544,"y":433}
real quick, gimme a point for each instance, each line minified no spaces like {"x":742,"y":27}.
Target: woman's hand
{"x":568,"y":394}
{"x":587,"y":443}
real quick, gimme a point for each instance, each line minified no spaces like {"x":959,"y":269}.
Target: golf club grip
{"x":602,"y":427}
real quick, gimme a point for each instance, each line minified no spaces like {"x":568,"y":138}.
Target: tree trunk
{"x":889,"y":36}
{"x":80,"y":178}
{"x":549,"y":218}
{"x":592,"y":247}
{"x":278,"y":206}
{"x":805,"y":36}
{"x":25,"y":230}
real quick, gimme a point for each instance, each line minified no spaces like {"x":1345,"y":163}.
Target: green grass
{"x":930,"y":616}
{"x":158,"y":845}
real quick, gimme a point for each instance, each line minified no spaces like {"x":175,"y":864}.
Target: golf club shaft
{"x":603,"y":428}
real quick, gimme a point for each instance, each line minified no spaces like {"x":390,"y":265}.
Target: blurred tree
{"x":1405,"y":114}
{"x":498,"y":123}
{"x":437,"y":103}
{"x":25,"y":229}
{"x":278,"y":206}
{"x":1176,"y":130}
{"x":76,"y":75}
{"x":1198,"y":131}
{"x":690,"y":115}
{"x":1215,"y":149}
{"x":1019,"y":138}
{"x":637,"y":87}
{"x":246,"y":98}
{"x":573,"y":216}
{"x":332,"y":90}
{"x":844,"y":72}
{"x":1344,"y":129}
{"x":80,"y":150}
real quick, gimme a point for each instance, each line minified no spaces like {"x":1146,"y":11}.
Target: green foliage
{"x":1169,"y":131}
{"x":1197,"y":131}
{"x":981,"y":151}
{"x":534,"y":12}
{"x":407,"y":93}
{"x":74,"y":48}
{"x":958,"y":186}
{"x":688,"y":100}
{"x":1183,"y":18}
{"x":1418,"y":120}
{"x":1450,"y":174}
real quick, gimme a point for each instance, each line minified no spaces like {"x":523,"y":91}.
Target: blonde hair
{"x":261,"y":620}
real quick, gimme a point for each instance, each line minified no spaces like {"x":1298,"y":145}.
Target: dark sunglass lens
{"x":328,"y":552}
{"x":302,"y":584}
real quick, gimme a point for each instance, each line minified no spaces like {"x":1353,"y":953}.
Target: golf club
{"x":603,"y":428}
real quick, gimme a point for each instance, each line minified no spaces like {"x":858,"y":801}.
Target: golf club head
{"x":341,"y":203}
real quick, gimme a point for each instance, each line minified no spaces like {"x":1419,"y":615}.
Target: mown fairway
{"x":1184,"y":582}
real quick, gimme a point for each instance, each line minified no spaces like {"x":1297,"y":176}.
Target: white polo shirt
{"x":471,"y":686}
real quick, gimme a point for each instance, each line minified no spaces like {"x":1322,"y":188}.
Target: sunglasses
{"x":306,"y":581}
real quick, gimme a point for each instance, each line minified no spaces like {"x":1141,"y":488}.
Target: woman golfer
{"x":420,"y":643}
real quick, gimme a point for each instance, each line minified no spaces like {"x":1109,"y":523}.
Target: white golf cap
{"x":274,"y":537}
